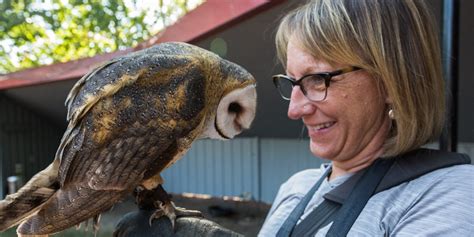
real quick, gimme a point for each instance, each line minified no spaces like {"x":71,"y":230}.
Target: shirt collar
{"x":341,"y":192}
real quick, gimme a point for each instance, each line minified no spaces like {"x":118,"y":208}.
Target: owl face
{"x":236,"y":106}
{"x":225,"y":91}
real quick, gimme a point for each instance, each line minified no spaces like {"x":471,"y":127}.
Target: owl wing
{"x":108,"y":94}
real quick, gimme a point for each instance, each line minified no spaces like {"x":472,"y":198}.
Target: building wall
{"x":216,"y":167}
{"x":28,"y":142}
{"x":246,"y":167}
{"x":281,"y":158}
{"x":466,"y":74}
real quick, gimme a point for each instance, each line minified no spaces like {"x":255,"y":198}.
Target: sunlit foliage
{"x":38,"y":32}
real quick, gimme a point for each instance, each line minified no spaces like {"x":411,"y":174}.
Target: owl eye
{"x":235,"y":108}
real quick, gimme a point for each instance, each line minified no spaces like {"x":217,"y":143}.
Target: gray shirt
{"x":440,"y":203}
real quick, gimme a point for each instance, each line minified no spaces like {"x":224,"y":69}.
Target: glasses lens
{"x":315,"y":87}
{"x":284,"y":87}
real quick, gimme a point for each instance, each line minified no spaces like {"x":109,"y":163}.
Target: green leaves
{"x":38,"y":32}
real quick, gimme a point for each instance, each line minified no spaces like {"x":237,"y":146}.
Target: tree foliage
{"x":38,"y":32}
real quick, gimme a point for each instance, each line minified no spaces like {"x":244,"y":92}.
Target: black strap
{"x":417,"y":163}
{"x":321,"y":216}
{"x":290,"y":222}
{"x":381,"y":175}
{"x":360,"y":195}
{"x":328,"y":211}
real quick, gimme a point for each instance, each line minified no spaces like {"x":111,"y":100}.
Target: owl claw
{"x":156,"y":215}
{"x":172,"y":212}
{"x":137,"y":192}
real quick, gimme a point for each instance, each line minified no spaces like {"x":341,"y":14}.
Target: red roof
{"x":208,"y":18}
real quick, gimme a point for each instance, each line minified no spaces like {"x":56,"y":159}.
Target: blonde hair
{"x":395,"y":41}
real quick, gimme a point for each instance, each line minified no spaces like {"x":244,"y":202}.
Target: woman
{"x":365,"y":78}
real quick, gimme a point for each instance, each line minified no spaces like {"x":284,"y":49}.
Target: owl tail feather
{"x":68,"y":207}
{"x":24,"y":203}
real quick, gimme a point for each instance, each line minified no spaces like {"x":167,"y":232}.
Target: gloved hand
{"x":136,"y":224}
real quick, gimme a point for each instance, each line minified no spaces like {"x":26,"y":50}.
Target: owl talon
{"x":138,"y":193}
{"x":156,"y":215}
{"x":172,"y":212}
{"x":183,"y":212}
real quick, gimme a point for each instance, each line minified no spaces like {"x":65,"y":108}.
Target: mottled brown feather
{"x":72,"y":200}
{"x":22,"y":204}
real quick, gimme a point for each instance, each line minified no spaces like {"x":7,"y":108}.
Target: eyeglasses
{"x":314,"y":86}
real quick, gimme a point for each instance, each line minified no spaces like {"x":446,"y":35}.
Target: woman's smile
{"x":319,"y":129}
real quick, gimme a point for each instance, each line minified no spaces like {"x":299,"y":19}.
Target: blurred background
{"x":46,"y":46}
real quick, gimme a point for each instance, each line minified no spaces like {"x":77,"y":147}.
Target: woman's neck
{"x":340,"y":168}
{"x":365,"y":157}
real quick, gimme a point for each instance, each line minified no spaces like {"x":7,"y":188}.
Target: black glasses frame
{"x":326,"y":76}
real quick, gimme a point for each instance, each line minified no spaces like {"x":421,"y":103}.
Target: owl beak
{"x":235,"y":112}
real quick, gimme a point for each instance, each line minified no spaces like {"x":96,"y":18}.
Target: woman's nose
{"x":299,"y":104}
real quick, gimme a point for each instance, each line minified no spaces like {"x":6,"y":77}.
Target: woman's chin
{"x":323,"y":151}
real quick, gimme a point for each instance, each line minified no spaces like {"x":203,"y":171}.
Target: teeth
{"x":323,"y":125}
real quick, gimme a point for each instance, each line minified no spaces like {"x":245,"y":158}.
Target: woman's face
{"x":351,"y":121}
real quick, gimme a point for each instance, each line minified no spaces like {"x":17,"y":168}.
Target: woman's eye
{"x":314,"y":83}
